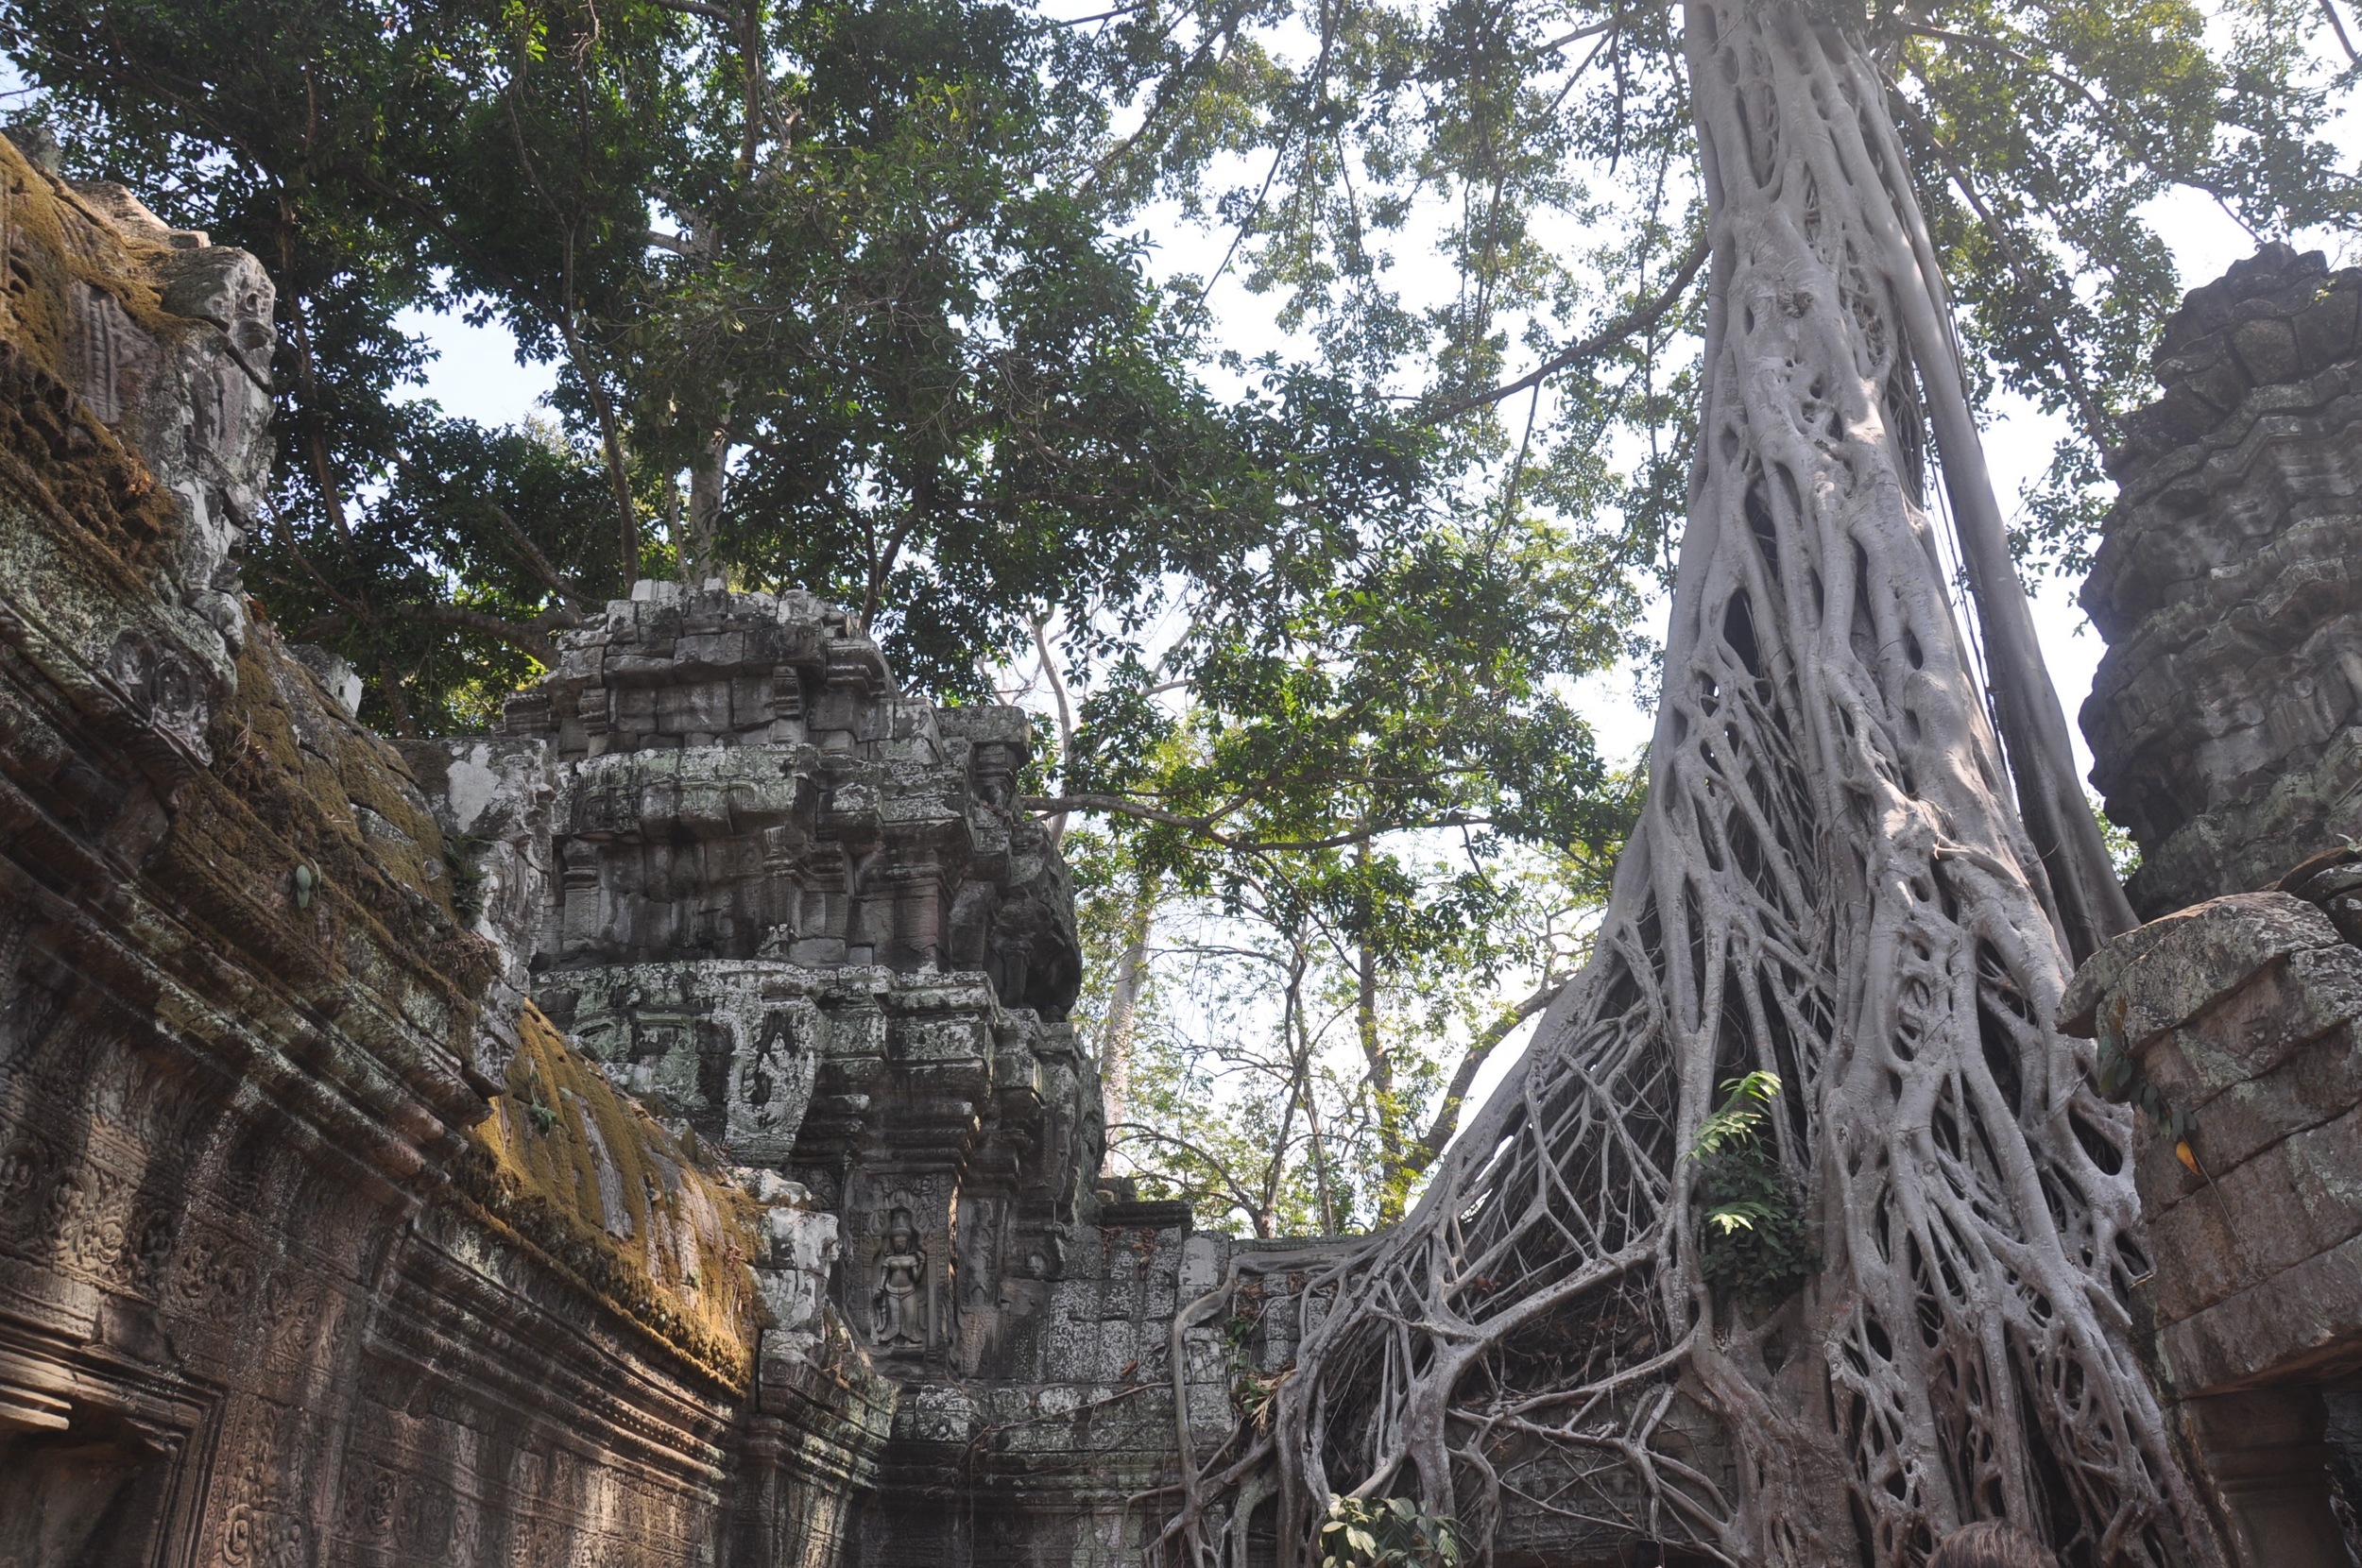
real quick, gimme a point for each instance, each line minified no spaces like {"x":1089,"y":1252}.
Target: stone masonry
{"x":317,"y":1245}
{"x":2224,"y":718}
{"x":648,"y":1134}
{"x":2226,"y":723}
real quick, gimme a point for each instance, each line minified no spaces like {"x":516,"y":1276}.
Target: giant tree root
{"x":1829,"y":883}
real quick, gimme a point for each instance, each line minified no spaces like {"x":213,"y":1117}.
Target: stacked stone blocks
{"x":2224,"y":716}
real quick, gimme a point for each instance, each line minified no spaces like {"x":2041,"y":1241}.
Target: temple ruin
{"x":2226,"y":723}
{"x":651,"y":1133}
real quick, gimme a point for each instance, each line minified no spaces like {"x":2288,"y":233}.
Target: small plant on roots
{"x":1752,"y":1240}
{"x":1387,"y":1532}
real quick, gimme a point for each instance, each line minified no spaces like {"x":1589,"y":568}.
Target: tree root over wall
{"x":1830,"y":883}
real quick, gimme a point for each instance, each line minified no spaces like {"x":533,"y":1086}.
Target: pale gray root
{"x":1830,"y":883}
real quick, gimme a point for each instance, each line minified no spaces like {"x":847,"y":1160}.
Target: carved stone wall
{"x":648,"y":1134}
{"x":274,"y":1291}
{"x":2227,"y":725}
{"x":2226,"y":719}
{"x":789,"y":911}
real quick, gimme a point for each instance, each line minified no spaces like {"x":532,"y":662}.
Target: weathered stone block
{"x":2223,"y":718}
{"x":2173,"y":969}
{"x":2307,"y":1319}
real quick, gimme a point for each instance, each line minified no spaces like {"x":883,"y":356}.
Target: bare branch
{"x":2337,"y":26}
{"x":1637,"y":320}
{"x":557,"y":581}
{"x":1446,"y":1122}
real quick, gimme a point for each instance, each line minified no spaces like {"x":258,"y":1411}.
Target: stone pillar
{"x":2265,"y":1451}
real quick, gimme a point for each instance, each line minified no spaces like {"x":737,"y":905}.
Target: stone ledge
{"x":2305,"y":1322}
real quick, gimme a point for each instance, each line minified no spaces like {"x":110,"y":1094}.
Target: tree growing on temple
{"x":1800,"y":1235}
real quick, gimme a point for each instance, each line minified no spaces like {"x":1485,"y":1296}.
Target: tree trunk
{"x":1829,"y":883}
{"x":702,"y":560}
{"x":1123,"y":1001}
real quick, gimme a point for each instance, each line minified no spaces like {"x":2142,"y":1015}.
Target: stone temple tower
{"x":790,"y":909}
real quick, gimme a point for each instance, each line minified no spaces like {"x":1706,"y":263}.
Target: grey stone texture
{"x":290,"y":1272}
{"x":2223,"y":720}
{"x":790,"y":912}
{"x":2244,"y":1014}
{"x":2226,"y":724}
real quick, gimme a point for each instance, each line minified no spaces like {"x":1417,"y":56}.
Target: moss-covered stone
{"x":589,"y":1177}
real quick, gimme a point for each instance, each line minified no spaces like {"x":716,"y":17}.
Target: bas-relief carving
{"x":716,"y":1045}
{"x":900,"y":1302}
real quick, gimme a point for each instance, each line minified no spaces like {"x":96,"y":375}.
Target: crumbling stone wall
{"x":2226,"y":723}
{"x":273,"y":1290}
{"x":2224,"y":720}
{"x":789,"y":910}
{"x":649,"y":1134}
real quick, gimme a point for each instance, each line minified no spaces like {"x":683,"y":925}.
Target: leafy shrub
{"x":1751,"y":1239}
{"x":1388,"y":1532}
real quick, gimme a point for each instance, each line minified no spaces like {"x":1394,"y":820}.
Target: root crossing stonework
{"x":1831,"y":884}
{"x":650,"y":1134}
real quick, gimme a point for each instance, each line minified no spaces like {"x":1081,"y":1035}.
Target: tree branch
{"x":558,"y":582}
{"x":2337,"y":26}
{"x":533,"y":636}
{"x":1438,"y":1136}
{"x":1638,"y":318}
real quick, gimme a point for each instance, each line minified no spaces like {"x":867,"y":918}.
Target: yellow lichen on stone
{"x":353,"y":901}
{"x":65,"y":261}
{"x":589,"y":1175}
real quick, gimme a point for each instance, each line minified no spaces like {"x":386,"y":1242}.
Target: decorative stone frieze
{"x":650,"y":1134}
{"x":316,"y":1245}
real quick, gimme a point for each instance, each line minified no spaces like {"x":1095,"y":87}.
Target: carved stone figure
{"x":900,"y":1301}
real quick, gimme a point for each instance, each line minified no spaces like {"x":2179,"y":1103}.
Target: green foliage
{"x":1738,"y":1119}
{"x":1751,"y":1239}
{"x":1256,"y":1092}
{"x":2123,"y":853}
{"x":2041,"y":134}
{"x":1387,"y":1532}
{"x":1543,"y":151}
{"x":881,"y":340}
